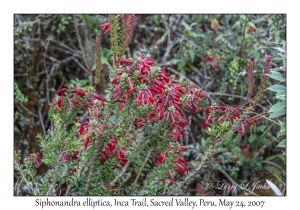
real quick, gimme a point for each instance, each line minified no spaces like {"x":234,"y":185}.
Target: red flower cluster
{"x":77,"y":98}
{"x":111,"y":149}
{"x":208,"y":58}
{"x":250,"y":30}
{"x":74,"y":156}
{"x":34,"y":159}
{"x":155,"y":88}
{"x":179,"y":168}
{"x":213,"y":61}
{"x":246,"y":150}
{"x":105,"y":26}
{"x":219,"y":113}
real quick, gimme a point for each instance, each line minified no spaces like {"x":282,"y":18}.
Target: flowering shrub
{"x":104,"y":145}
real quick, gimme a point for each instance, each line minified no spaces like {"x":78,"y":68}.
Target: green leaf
{"x":281,"y":95}
{"x":278,"y":113}
{"x":277,"y":38}
{"x":277,"y":88}
{"x":192,"y":54}
{"x":237,"y":23}
{"x":252,"y":25}
{"x":187,"y":27}
{"x":283,"y":58}
{"x":282,"y":129}
{"x":277,"y":76}
{"x":194,"y":68}
{"x":282,"y":143}
{"x":276,"y":107}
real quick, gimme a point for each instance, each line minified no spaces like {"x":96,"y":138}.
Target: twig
{"x":237,"y":96}
{"x":74,"y":59}
{"x":67,"y":47}
{"x":229,"y":178}
{"x":266,"y":118}
{"x":141,"y":169}
{"x":87,"y":185}
{"x":58,"y":163}
{"x":121,"y":174}
{"x":30,"y":112}
{"x":42,"y":122}
{"x":23,"y":176}
{"x":46,"y":71}
{"x":80,"y":44}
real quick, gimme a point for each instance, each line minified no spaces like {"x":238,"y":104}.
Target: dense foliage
{"x":148,"y":104}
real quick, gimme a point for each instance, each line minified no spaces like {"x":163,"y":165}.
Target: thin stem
{"x":80,"y":44}
{"x":232,"y":181}
{"x":265,"y":118}
{"x":121,"y":174}
{"x":23,"y":176}
{"x":58,"y":163}
{"x":141,"y":169}
{"x":87,"y":185}
{"x":42,"y":122}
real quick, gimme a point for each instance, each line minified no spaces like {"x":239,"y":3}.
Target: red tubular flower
{"x":214,"y":64}
{"x":61,"y":92}
{"x":110,"y":186}
{"x":82,"y":130}
{"x":178,"y":171}
{"x":208,"y":58}
{"x":121,"y":107}
{"x":75,"y":155}
{"x":138,"y":97}
{"x":246,"y":150}
{"x":65,"y":159}
{"x":115,"y":79}
{"x":183,"y":161}
{"x":242,"y":129}
{"x":86,"y":142}
{"x":73,"y":171}
{"x":105,"y":26}
{"x":172,"y":181}
{"x":170,"y":173}
{"x":254,"y":120}
{"x":161,"y":158}
{"x":36,"y":160}
{"x":208,"y":119}
{"x":181,"y":168}
{"x":99,"y":131}
{"x":103,"y":159}
{"x":28,"y":157}
{"x":218,"y":120}
{"x":111,"y":146}
{"x":114,"y":139}
{"x":182,"y":148}
{"x":207,"y":110}
{"x":249,"y":123}
{"x":59,"y":104}
{"x":250,"y":30}
{"x":79,"y":92}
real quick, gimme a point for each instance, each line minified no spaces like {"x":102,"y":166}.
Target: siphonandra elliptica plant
{"x":106,"y":145}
